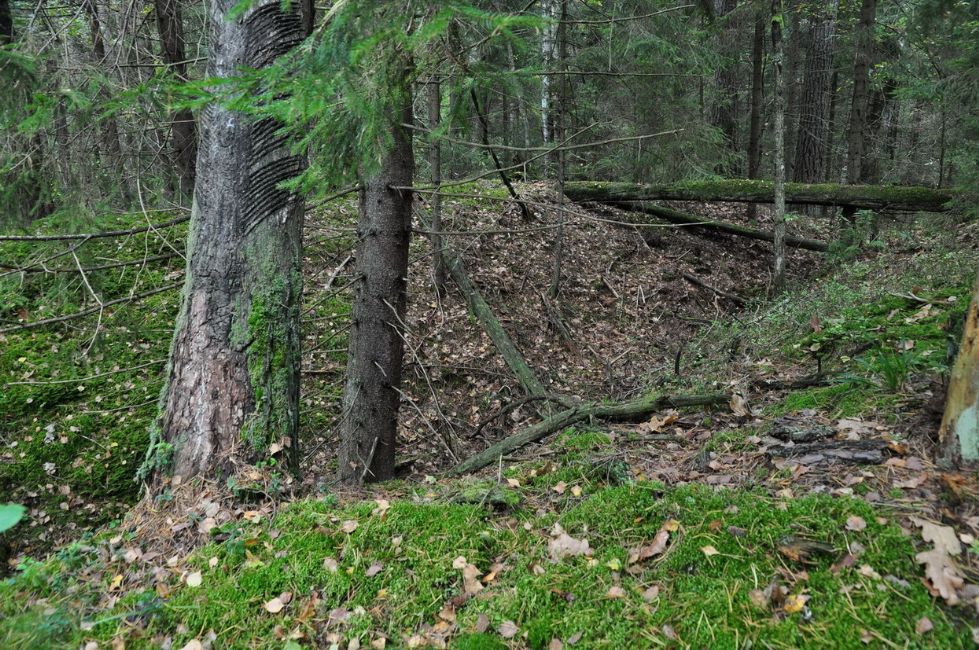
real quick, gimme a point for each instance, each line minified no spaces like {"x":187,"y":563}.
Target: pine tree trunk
{"x":372,"y":394}
{"x":560,"y":133}
{"x":233,"y":379}
{"x":811,"y":139}
{"x":183,"y":131}
{"x":548,"y":38}
{"x":435,"y":162}
{"x":778,"y":15}
{"x":726,"y":80}
{"x":959,"y":433}
{"x":856,"y":133}
{"x":757,"y":94}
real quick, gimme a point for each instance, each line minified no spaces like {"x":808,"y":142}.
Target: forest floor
{"x":698,"y":528}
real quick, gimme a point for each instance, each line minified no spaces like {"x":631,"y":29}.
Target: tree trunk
{"x":726,"y":80}
{"x":959,"y":433}
{"x":233,"y":379}
{"x":856,"y":133}
{"x":183,"y":131}
{"x":811,"y":139}
{"x":757,"y":94}
{"x":111,"y":142}
{"x":560,"y":133}
{"x":435,"y":162}
{"x":372,"y":395}
{"x":778,"y":15}
{"x":548,"y":38}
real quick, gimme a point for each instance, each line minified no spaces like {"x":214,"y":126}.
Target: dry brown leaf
{"x":655,"y":548}
{"x":482,"y":623}
{"x":855,"y":523}
{"x":651,"y":594}
{"x":373,"y":569}
{"x":709,"y":551}
{"x":349,"y":526}
{"x":615,"y":591}
{"x":508,"y":629}
{"x":943,"y":537}
{"x":941,"y":573}
{"x":924,"y":625}
{"x":274,"y":606}
{"x":564,"y":545}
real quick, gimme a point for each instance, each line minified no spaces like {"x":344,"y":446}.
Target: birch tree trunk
{"x":372,"y":394}
{"x":778,"y":16}
{"x":232,"y":385}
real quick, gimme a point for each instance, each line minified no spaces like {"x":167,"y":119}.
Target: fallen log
{"x":623,"y":411}
{"x":861,"y":197}
{"x":694,"y":280}
{"x":481,"y":310}
{"x":675,"y":216}
{"x":858,"y":452}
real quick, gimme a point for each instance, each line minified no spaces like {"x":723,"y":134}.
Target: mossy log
{"x":635,"y":409}
{"x":634,"y":210}
{"x":491,"y":325}
{"x":861,"y":197}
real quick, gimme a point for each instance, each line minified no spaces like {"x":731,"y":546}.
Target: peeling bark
{"x":233,"y":379}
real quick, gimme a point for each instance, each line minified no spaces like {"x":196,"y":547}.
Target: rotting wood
{"x":633,"y":210}
{"x":481,"y":310}
{"x":859,"y":452}
{"x":693,"y":279}
{"x":861,"y":197}
{"x":622,"y":411}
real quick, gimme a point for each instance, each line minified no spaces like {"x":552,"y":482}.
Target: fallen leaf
{"x":564,"y":545}
{"x":615,"y":591}
{"x":193,"y":644}
{"x":795,"y":603}
{"x":482,"y":623}
{"x":373,"y":569}
{"x":560,"y":487}
{"x":941,"y":573}
{"x":671,"y":525}
{"x":555,"y":644}
{"x":709,"y":551}
{"x":508,"y":629}
{"x":194,"y":579}
{"x":330,"y":565}
{"x":274,"y":606}
{"x":655,"y":548}
{"x":349,"y":526}
{"x":651,"y":594}
{"x":470,"y":579}
{"x":924,"y":625}
{"x":576,"y":490}
{"x":943,"y":537}
{"x":382,"y":508}
{"x":855,"y":523}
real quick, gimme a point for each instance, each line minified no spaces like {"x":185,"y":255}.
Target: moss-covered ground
{"x":393,"y":577}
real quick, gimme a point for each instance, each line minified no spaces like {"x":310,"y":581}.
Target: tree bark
{"x":778,"y":240}
{"x":757,"y":94}
{"x":435,"y":162}
{"x":183,"y":130}
{"x":856,"y":133}
{"x":560,"y":133}
{"x":895,"y":198}
{"x":548,"y":38}
{"x":959,"y":432}
{"x":726,"y":80}
{"x":232,"y":384}
{"x":623,"y":411}
{"x":811,"y":141}
{"x":372,"y":395}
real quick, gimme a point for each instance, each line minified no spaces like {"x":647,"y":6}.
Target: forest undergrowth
{"x":697,"y":528}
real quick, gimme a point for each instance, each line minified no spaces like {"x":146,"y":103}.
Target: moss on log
{"x":866,"y":197}
{"x":622,"y":411}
